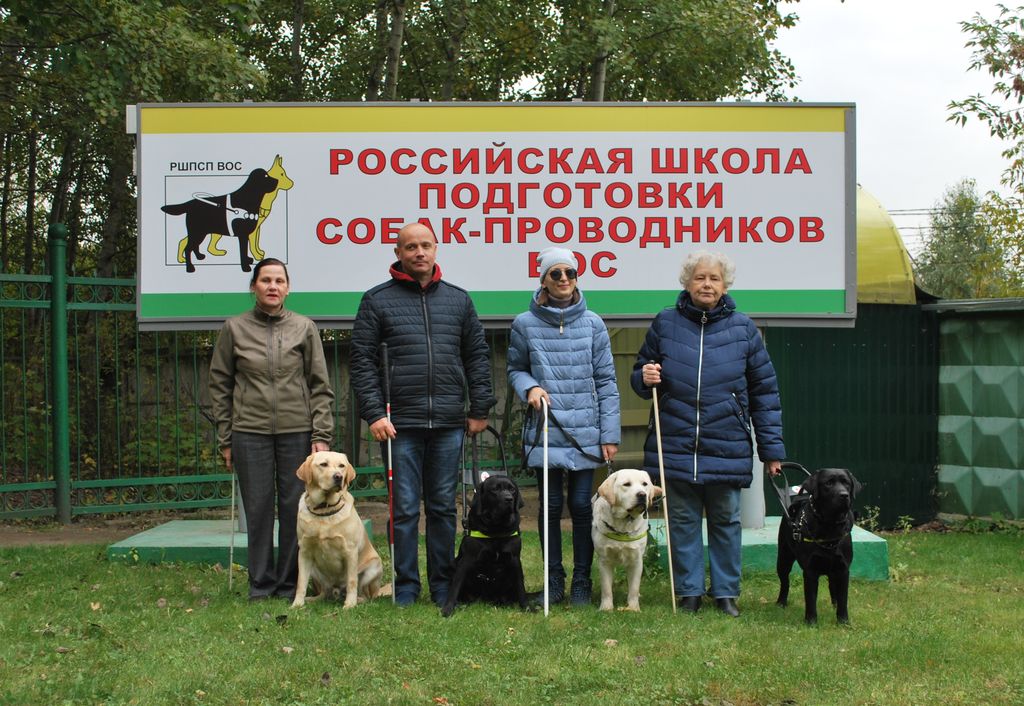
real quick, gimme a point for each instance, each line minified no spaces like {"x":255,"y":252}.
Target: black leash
{"x":569,"y":437}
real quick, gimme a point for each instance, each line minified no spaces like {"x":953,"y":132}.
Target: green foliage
{"x":963,"y":255}
{"x":174,"y":634}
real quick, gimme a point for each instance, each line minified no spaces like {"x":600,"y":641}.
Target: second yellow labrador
{"x":335,"y":552}
{"x":619,"y":531}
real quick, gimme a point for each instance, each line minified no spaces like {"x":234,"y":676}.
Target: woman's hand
{"x":535,"y":395}
{"x":773,"y":468}
{"x":651,"y":373}
{"x":609,"y":451}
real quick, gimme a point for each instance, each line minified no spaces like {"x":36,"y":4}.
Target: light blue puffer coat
{"x":568,"y":353}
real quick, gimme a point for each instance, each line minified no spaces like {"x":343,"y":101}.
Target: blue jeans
{"x":425,"y":465}
{"x":686,"y":503}
{"x":266,"y":465}
{"x":580,"y":487}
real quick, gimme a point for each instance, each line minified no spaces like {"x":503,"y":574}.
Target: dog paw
{"x":630,"y":609}
{"x":447,"y":610}
{"x":298,"y":604}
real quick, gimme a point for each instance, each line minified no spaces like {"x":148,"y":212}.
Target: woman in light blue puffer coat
{"x":560,"y":352}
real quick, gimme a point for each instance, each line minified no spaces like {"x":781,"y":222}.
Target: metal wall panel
{"x":981,"y":403}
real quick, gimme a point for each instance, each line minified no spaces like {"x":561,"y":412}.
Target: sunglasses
{"x":557,"y":274}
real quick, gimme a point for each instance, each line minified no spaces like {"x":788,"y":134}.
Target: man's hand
{"x":226,"y":453}
{"x":475,"y":426}
{"x":382,"y":429}
{"x":321,"y":446}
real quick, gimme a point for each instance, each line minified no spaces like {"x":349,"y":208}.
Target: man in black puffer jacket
{"x":437,"y":357}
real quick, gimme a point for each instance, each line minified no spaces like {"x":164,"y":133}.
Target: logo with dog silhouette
{"x":239,"y":214}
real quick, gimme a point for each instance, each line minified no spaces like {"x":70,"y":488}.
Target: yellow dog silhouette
{"x":283,"y":184}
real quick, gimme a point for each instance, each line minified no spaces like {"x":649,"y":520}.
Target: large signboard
{"x":630,"y":188}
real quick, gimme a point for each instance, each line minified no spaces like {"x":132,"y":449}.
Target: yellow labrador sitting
{"x":620,"y":530}
{"x":334,"y":549}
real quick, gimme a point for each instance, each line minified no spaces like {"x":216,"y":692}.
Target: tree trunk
{"x":394,"y":49}
{"x":297,"y":72}
{"x":376,"y":74}
{"x":455,"y":22}
{"x":74,"y":218}
{"x":599,"y":68}
{"x":30,"y":204}
{"x":120,"y":201}
{"x":59,"y":207}
{"x":5,"y":201}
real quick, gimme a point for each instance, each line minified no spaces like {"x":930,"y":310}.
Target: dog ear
{"x":857,"y":487}
{"x":350,"y":473}
{"x":811,"y":484}
{"x":607,"y":489}
{"x":305,"y":471}
{"x":656,"y":492}
{"x":521,"y":503}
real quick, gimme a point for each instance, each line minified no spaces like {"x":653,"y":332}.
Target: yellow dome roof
{"x":884,"y":272}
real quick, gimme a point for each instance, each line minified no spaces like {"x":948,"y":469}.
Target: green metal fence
{"x":99,"y":417}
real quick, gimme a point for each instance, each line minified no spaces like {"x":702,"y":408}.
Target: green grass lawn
{"x":947,"y":629}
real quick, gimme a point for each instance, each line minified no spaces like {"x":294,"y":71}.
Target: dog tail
{"x":176,"y":209}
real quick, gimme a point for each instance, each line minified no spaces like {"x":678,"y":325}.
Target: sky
{"x":901,"y":62}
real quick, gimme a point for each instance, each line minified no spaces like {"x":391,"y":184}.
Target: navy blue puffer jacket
{"x":437,"y":354}
{"x":716,"y":377}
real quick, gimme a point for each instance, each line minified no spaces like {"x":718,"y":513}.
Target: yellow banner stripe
{"x":521,"y":117}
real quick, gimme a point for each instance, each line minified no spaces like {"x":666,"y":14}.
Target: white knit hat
{"x":549,"y":257}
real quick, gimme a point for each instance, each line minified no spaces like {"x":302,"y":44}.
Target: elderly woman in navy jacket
{"x":560,"y":352}
{"x":714,"y":378}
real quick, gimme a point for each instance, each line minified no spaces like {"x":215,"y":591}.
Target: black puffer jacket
{"x":437,"y":354}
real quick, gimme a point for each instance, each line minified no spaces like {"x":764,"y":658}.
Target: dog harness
{"x":801,"y":529}
{"x":477,"y":534}
{"x":238,"y":212}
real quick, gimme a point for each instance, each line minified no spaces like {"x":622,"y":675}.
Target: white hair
{"x":708,"y":258}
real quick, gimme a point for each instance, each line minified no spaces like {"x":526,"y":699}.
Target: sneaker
{"x":556,"y":593}
{"x":579,"y":592}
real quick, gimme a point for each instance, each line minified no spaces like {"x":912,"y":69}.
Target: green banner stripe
{"x":323,"y":305}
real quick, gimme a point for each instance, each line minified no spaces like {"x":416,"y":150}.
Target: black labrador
{"x":235,"y":214}
{"x":816,"y":534}
{"x":488,"y":567}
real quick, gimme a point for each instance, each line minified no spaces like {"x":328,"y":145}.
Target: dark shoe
{"x":404,"y":600}
{"x":728,"y":606}
{"x":690,"y":604}
{"x":556,"y":593}
{"x":579,"y":592}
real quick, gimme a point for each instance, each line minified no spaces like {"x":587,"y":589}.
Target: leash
{"x":569,"y":437}
{"x":788,"y":492}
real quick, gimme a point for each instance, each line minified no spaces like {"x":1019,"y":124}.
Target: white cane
{"x":547,"y":529}
{"x":231,"y":540}
{"x":664,"y":499}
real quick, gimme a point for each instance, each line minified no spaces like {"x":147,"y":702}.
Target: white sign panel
{"x":630,"y":188}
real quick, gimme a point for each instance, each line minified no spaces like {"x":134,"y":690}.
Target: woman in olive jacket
{"x":271,"y":399}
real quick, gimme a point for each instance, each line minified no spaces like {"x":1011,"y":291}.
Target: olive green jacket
{"x":268,"y":375}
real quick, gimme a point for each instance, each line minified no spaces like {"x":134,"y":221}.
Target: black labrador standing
{"x":235,"y":214}
{"x":816,"y":534}
{"x":488,"y":567}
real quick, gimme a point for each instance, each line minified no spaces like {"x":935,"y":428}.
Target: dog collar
{"x":622,"y":536}
{"x":335,"y":511}
{"x":477,"y":534}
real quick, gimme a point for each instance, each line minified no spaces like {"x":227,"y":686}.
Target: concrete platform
{"x":207,"y":542}
{"x":199,"y":541}
{"x":760,"y":548}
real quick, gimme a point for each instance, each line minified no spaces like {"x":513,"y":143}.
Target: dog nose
{"x":338,"y":478}
{"x":641,"y":497}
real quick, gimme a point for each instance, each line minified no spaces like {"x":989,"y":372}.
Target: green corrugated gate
{"x":863,"y":398}
{"x":981,"y":403}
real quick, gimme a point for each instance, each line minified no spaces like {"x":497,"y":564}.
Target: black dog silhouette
{"x":235,"y":214}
